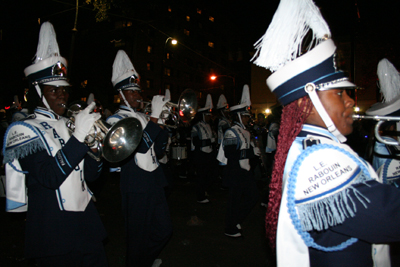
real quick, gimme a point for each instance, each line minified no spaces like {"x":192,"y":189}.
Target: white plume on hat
{"x":47,"y":45}
{"x":90,"y":99}
{"x":389,"y":82}
{"x":284,"y":36}
{"x":167,"y":95}
{"x":222,"y":102}
{"x":246,"y":96}
{"x":122,"y":68}
{"x":209,"y":104}
{"x":244,"y":102}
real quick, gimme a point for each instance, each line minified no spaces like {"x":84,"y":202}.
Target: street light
{"x":173,"y":42}
{"x":214,"y":77}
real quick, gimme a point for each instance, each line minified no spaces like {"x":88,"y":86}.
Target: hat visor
{"x":133,"y":88}
{"x":342,"y":84}
{"x":384,"y":109}
{"x":58,"y":83}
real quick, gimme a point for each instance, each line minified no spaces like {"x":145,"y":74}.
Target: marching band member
{"x":202,"y":139}
{"x":164,"y":159}
{"x":236,"y":150}
{"x":326,"y":207}
{"x":385,"y":159}
{"x":21,"y":113}
{"x":63,"y":227}
{"x":224,"y":122}
{"x":148,"y":222}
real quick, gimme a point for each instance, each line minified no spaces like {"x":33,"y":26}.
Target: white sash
{"x":204,"y":133}
{"x":24,"y":138}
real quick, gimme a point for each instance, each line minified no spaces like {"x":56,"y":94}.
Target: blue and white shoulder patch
{"x":21,"y":139}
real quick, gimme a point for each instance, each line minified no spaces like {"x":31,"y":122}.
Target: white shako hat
{"x":294,"y":74}
{"x":208,"y":107}
{"x":124,"y":75}
{"x":389,"y":84}
{"x":244,"y":106}
{"x":49,"y":67}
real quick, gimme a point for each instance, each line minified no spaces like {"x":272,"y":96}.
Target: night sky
{"x":377,"y":26}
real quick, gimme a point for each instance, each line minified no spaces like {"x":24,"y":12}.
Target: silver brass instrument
{"x":184,"y":111}
{"x":115,"y":143}
{"x":381,"y":120}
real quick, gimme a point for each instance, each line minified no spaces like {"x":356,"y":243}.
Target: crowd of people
{"x":326,"y":204}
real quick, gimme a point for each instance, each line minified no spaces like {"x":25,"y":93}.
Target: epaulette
{"x":310,"y":141}
{"x":29,"y":117}
{"x":21,"y":139}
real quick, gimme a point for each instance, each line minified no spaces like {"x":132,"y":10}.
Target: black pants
{"x":206,"y":167}
{"x":243,"y":196}
{"x":148,"y":226}
{"x":84,"y":255}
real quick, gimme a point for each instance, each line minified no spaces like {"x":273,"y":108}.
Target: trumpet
{"x":184,"y":111}
{"x":115,"y":143}
{"x":380,"y":120}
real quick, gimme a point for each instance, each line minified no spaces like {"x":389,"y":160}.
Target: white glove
{"x":84,"y":121}
{"x":257,"y":151}
{"x":157,"y":105}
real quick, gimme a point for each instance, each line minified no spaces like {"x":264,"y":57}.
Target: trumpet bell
{"x":187,"y":105}
{"x":122,"y":139}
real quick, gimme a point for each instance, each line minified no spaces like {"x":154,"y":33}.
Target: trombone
{"x":184,"y":111}
{"x":381,"y":120}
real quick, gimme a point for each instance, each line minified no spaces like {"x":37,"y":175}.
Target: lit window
{"x":186,"y":32}
{"x":187,"y":18}
{"x":119,"y":43}
{"x":149,"y":66}
{"x":168,"y":55}
{"x":167,"y":71}
{"x":199,"y":11}
{"x":149,"y":84}
{"x":149,"y":49}
{"x":211,"y":44}
{"x":84,"y":84}
{"x":211,"y":19}
{"x":169,"y":9}
{"x":129,"y":24}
